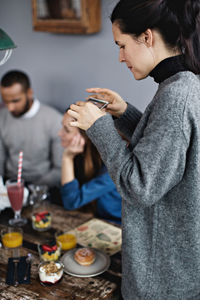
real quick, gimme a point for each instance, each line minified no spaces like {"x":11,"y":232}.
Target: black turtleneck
{"x":168,"y":67}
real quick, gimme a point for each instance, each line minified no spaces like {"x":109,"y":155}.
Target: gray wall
{"x":62,"y":66}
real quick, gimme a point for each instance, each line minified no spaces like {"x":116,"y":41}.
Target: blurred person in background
{"x":28,"y":125}
{"x":84,"y":177}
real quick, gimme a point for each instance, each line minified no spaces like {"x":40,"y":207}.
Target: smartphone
{"x":98,"y":102}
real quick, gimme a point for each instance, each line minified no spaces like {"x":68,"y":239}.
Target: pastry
{"x":84,"y":256}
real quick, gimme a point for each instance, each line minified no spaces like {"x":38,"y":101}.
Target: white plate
{"x":71,"y":267}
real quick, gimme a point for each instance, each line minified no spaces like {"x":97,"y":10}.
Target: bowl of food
{"x":41,"y":221}
{"x":49,"y":251}
{"x":67,"y":240}
{"x":50,"y":272}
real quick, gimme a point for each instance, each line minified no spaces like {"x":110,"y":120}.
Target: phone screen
{"x":98,"y":102}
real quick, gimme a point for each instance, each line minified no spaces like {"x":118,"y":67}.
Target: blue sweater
{"x":100,"y":188}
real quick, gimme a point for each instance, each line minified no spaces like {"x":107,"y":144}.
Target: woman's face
{"x":134,"y":52}
{"x":67,"y":132}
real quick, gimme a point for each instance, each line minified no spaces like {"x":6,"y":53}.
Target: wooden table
{"x":104,"y":286}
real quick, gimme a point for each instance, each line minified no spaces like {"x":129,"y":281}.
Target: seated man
{"x":28,"y":125}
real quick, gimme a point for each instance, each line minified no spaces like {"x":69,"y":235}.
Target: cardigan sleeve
{"x":127,"y":122}
{"x":155,"y":160}
{"x":75,"y":196}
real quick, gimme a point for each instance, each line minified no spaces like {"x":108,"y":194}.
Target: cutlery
{"x":28,"y":262}
{"x":16,"y":261}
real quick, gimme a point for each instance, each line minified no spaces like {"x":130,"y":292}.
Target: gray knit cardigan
{"x":158,"y":177}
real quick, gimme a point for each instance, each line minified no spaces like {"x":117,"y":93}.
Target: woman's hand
{"x":116,"y":106}
{"x":75,"y":147}
{"x":85,"y":114}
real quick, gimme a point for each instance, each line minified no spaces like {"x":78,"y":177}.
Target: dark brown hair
{"x":178,"y":21}
{"x":16,"y":76}
{"x":88,"y":164}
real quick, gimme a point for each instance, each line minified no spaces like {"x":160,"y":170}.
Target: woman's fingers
{"x":82,"y":142}
{"x":80,"y":103}
{"x":104,"y":94}
{"x":96,"y":89}
{"x":75,"y":107}
{"x":84,"y":115}
{"x":73,"y":114}
{"x":74,"y":124}
{"x":99,"y":90}
{"x":78,"y":139}
{"x":91,"y":90}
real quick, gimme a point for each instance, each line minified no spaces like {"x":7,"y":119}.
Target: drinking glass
{"x":16,"y":194}
{"x":38,"y":193}
{"x":12,"y":237}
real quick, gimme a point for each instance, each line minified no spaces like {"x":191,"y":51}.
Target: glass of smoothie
{"x":15,"y":192}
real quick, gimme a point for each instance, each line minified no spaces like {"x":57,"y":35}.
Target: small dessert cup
{"x":67,"y":240}
{"x":41,"y":220}
{"x":50,"y":251}
{"x":12,"y":237}
{"x":50,"y":272}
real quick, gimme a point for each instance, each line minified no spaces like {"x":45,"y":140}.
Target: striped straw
{"x":19,"y":173}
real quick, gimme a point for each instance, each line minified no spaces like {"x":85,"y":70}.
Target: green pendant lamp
{"x":6,"y":44}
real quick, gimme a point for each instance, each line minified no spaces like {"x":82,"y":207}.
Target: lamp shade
{"x":5,"y":41}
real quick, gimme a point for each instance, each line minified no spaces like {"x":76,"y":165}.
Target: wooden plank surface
{"x":105,"y":286}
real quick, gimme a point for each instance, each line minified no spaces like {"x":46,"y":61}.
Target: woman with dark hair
{"x":84,"y":177}
{"x":158,"y":174}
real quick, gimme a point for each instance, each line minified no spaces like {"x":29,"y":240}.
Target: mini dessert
{"x":67,"y":240}
{"x":84,"y":256}
{"x":50,"y":251}
{"x":41,"y":221}
{"x":50,"y":272}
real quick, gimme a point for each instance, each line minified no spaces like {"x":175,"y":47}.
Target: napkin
{"x":4,"y":202}
{"x":21,"y":271}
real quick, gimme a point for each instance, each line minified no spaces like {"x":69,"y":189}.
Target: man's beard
{"x":26,"y":108}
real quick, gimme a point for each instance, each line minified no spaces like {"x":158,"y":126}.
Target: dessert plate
{"x":71,"y":267}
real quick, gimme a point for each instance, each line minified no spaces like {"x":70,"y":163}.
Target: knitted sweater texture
{"x":158,"y":177}
{"x":38,"y":138}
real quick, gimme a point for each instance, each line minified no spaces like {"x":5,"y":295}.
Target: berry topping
{"x":47,"y":248}
{"x":37,"y":218}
